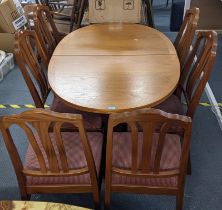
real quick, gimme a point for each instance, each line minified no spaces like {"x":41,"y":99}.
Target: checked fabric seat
{"x":26,"y":47}
{"x":122,"y":147}
{"x":75,"y":153}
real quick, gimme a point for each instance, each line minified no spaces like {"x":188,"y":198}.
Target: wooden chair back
{"x":145,"y":162}
{"x":78,"y":13}
{"x":197,"y":70}
{"x":186,"y":34}
{"x":53,"y":5}
{"x":28,"y":51}
{"x":46,"y":29}
{"x":52,"y":158}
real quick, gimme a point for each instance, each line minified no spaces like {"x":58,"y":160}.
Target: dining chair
{"x":26,"y":46}
{"x":67,"y":16}
{"x":193,"y":79}
{"x":46,"y":29}
{"x":186,"y":34}
{"x":194,"y":76}
{"x":55,"y":162}
{"x":147,"y":162}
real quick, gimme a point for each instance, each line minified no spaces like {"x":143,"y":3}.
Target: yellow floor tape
{"x":31,"y":106}
{"x":18,"y":106}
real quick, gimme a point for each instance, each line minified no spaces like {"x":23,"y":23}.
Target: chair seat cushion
{"x":122,"y":159}
{"x":75,"y":157}
{"x":171,"y":105}
{"x":92,"y":121}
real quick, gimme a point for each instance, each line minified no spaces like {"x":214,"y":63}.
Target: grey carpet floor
{"x":203,"y":188}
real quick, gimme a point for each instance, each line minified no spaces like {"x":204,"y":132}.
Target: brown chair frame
{"x":186,"y":34}
{"x":148,"y":119}
{"x":78,"y":8}
{"x":197,"y":70}
{"x":27,"y":61}
{"x":40,"y":120}
{"x":48,"y":38}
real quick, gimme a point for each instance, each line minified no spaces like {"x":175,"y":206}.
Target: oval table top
{"x":36,"y":205}
{"x":90,"y":77}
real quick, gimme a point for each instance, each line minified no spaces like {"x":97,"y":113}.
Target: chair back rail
{"x":36,"y":123}
{"x":186,"y":34}
{"x":28,"y":51}
{"x":197,"y":69}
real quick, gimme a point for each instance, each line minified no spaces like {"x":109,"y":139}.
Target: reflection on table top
{"x":115,"y":39}
{"x":35,"y":205}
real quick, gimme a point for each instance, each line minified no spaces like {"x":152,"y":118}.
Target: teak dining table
{"x":105,"y":68}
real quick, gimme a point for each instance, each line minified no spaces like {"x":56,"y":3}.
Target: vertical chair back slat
{"x":146,"y":146}
{"x":27,"y":50}
{"x":60,"y":146}
{"x":35,"y":146}
{"x":160,"y":145}
{"x":42,"y":129}
{"x":134,"y":136}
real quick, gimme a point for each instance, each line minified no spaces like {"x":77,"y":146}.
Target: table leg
{"x":119,"y":128}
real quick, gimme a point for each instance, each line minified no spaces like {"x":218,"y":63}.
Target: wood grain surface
{"x":111,"y":77}
{"x":115,"y":39}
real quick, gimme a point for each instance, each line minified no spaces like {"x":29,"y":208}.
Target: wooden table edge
{"x":107,"y":111}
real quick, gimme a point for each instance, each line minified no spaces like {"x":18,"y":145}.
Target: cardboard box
{"x":102,"y":11}
{"x":11,"y":16}
{"x":7,"y":42}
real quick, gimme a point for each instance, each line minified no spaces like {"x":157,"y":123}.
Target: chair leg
{"x":189,"y":167}
{"x":96,"y":200}
{"x":179,"y":200}
{"x":107,"y":199}
{"x":25,"y":197}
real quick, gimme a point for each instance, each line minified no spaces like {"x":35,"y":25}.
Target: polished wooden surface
{"x":115,"y":39}
{"x":138,"y":67}
{"x":34,"y":205}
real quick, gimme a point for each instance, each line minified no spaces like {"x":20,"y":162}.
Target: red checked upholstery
{"x":76,"y":158}
{"x":122,"y":159}
{"x":91,"y":120}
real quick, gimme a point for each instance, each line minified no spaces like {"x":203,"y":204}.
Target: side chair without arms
{"x":194,"y":76}
{"x":67,"y":15}
{"x":55,"y":162}
{"x":186,"y":34}
{"x":146,"y":162}
{"x":193,"y":79}
{"x":36,"y":79}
